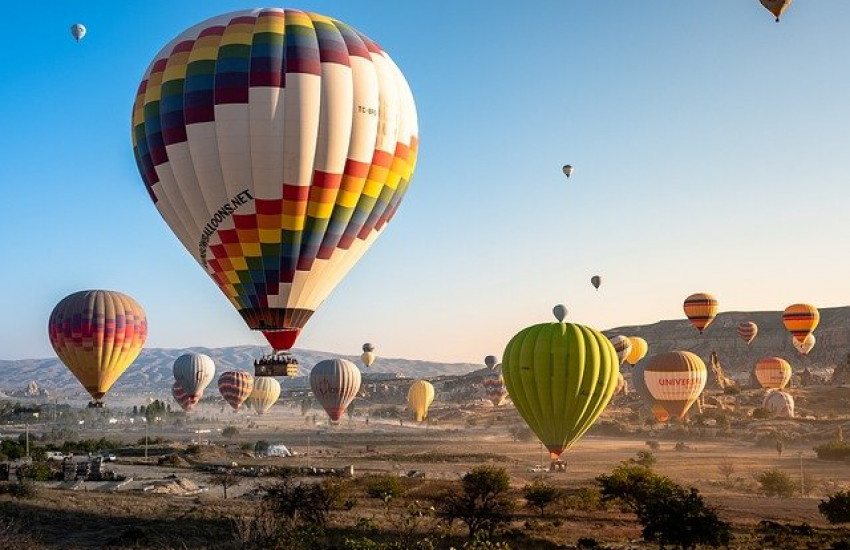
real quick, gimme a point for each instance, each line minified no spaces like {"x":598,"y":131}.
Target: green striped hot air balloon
{"x":560,"y":377}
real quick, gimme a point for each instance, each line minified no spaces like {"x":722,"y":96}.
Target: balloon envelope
{"x":335,"y":383}
{"x":638,"y":351}
{"x":78,"y":31}
{"x":494,"y":386}
{"x":596,"y":280}
{"x":490,"y":361}
{"x":801,"y":320}
{"x":419,"y":399}
{"x":194,"y":372}
{"x":675,"y":379}
{"x":560,"y":312}
{"x":235,"y":387}
{"x":368,"y":358}
{"x":367,"y":347}
{"x":806,"y":345}
{"x":567,"y":170}
{"x":623,"y":347}
{"x":747,"y":331}
{"x":560,"y":377}
{"x":772,"y":372}
{"x":183,"y":399}
{"x":776,"y":7}
{"x":97,"y":334}
{"x":700,"y":309}
{"x":277,"y":145}
{"x":264,"y":394}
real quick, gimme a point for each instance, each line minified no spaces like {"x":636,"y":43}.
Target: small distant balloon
{"x":776,"y":7}
{"x":596,"y":280}
{"x":806,"y":346}
{"x":490,"y":361}
{"x":568,"y":170}
{"x":560,"y":312}
{"x":747,"y":331}
{"x":367,"y":347}
{"x":78,"y":31}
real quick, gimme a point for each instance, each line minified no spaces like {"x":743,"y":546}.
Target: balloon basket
{"x":95,"y":405}
{"x":276,"y":364}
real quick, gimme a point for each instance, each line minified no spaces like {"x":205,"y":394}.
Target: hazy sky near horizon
{"x":710,"y":147}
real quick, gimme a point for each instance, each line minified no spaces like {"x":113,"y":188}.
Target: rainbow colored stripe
{"x":277,"y":144}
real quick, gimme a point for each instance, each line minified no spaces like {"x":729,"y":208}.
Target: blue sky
{"x":709,"y":146}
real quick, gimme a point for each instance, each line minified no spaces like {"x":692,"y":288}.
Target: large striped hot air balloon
{"x":675,"y":380}
{"x":779,"y":404}
{"x":639,"y":349}
{"x":183,"y":399}
{"x":801,"y":320}
{"x":494,"y":386}
{"x":97,"y":334}
{"x":235,"y":387}
{"x":623,"y":347}
{"x":277,"y":145}
{"x":776,"y":7}
{"x":335,"y":383}
{"x":264,"y":394}
{"x":772,"y":373}
{"x":700,"y":309}
{"x":806,"y":345}
{"x":560,"y":377}
{"x":194,"y":372}
{"x":419,"y":399}
{"x":747,"y":331}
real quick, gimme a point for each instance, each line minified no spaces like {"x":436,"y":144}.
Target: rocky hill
{"x":152,"y":371}
{"x":738,"y":358}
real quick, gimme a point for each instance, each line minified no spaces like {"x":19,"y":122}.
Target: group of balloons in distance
{"x":561,"y":376}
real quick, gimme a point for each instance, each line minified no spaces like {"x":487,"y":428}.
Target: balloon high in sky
{"x":277,"y":145}
{"x":644,"y":118}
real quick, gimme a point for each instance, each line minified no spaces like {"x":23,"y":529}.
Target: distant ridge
{"x":151,"y":372}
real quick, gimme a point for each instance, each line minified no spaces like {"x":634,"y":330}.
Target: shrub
{"x":776,"y":483}
{"x":644,"y":458}
{"x":37,"y":471}
{"x":679,"y":516}
{"x":587,"y":542}
{"x":834,"y":450}
{"x":230,"y":432}
{"x":22,"y":489}
{"x":631,"y":484}
{"x":261,"y":446}
{"x":653,"y":445}
{"x":483,"y":504}
{"x":836,"y":507}
{"x":681,"y":446}
{"x":760,"y":413}
{"x":585,"y":499}
{"x":193,"y":450}
{"x":726,"y":467}
{"x":246,"y":446}
{"x":308,"y":503}
{"x":384,"y":487}
{"x":540,"y":494}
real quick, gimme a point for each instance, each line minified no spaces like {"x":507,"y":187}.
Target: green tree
{"x":644,"y":458}
{"x":776,"y":483}
{"x":540,"y":494}
{"x":678,"y":516}
{"x":227,"y":479}
{"x":631,"y":484}
{"x":836,"y":507}
{"x":483,"y":504}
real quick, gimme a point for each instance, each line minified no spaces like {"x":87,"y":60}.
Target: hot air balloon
{"x":419,"y":398}
{"x":801,"y":320}
{"x":623,"y":347}
{"x":97,"y":334}
{"x":183,"y":399}
{"x":194,"y":372}
{"x":621,"y":385}
{"x":772,"y":372}
{"x":779,"y":404}
{"x":675,"y":380}
{"x":490,"y":362}
{"x":367,"y":347}
{"x":560,"y":377}
{"x":494,"y":386}
{"x":560,"y":312}
{"x":235,"y":387}
{"x":264,"y":394}
{"x":806,"y":346}
{"x":368,"y":356}
{"x":596,"y":280}
{"x":78,"y":31}
{"x":335,"y":383}
{"x":701,"y":309}
{"x":277,"y":145}
{"x":776,"y":7}
{"x":638,"y":351}
{"x":747,"y":331}
{"x":568,"y":170}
